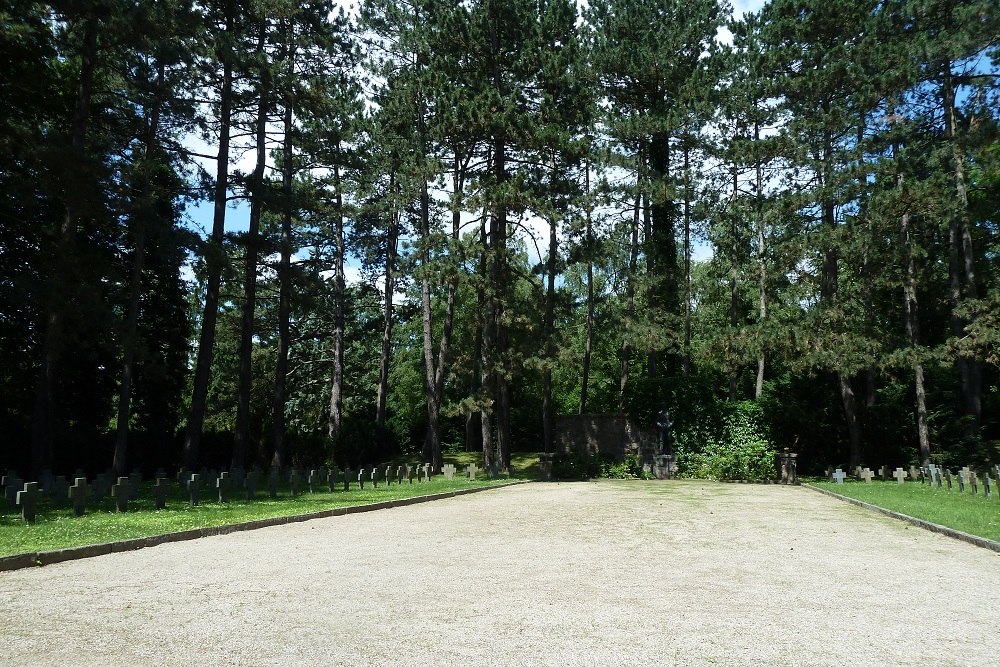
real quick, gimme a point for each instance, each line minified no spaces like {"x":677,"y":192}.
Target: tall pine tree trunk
{"x":687,"y":258}
{"x":962,"y":265}
{"x":64,"y":261}
{"x":241,"y":436}
{"x":432,"y":438}
{"x":588,"y":344}
{"x":761,"y":262}
{"x":548,"y":333}
{"x":140,"y":220}
{"x":911,"y":310}
{"x":392,"y":241}
{"x":284,"y":272}
{"x":633,"y":261}
{"x":335,"y":421}
{"x":214,"y":259}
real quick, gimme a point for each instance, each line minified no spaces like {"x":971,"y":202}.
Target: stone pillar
{"x":664,"y":466}
{"x":788,"y":467}
{"x":545,"y":464}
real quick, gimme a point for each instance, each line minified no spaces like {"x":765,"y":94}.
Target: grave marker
{"x":374,"y":478}
{"x":839,"y":476}
{"x":472,"y":470}
{"x":914,"y":473}
{"x":974,"y":482}
{"x":223,"y":484}
{"x":160,"y":488}
{"x":449,"y":471}
{"x":961,"y":481}
{"x":388,"y":475}
{"x":347,"y":478}
{"x":333,"y":478}
{"x":120,"y":492}
{"x":361,"y":478}
{"x":411,"y":472}
{"x":867,"y":475}
{"x":78,"y":495}
{"x":295,"y":480}
{"x":27,"y":500}
{"x":100,"y":487}
{"x":900,"y":475}
{"x":312,"y":480}
{"x":13,"y":486}
{"x":986,"y":484}
{"x":193,"y":485}
{"x":401,"y":474}
{"x":947,"y":476}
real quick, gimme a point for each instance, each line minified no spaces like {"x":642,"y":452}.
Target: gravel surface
{"x":605,"y":573}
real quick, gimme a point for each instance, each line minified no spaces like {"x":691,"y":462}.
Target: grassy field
{"x":976,"y":515}
{"x":58,"y":528}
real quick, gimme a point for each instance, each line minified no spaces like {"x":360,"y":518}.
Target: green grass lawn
{"x":976,"y":515}
{"x":57,"y":527}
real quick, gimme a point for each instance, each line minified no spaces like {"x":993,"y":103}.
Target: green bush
{"x":575,"y":465}
{"x":629,"y":468}
{"x":742,"y":451}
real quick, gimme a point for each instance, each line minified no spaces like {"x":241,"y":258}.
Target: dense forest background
{"x":441,"y":223}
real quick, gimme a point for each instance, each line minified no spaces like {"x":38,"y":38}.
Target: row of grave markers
{"x":226,"y":484}
{"x":930,"y":474}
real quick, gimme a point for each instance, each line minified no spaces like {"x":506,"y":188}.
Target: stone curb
{"x":920,"y":523}
{"x":22,"y":561}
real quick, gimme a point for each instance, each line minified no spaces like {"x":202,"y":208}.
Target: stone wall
{"x":612,"y":434}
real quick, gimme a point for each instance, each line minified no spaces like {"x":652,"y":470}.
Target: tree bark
{"x":214,"y":259}
{"x":337,"y":380}
{"x":392,"y":241}
{"x":633,"y":261}
{"x":64,"y":252}
{"x":140,"y":219}
{"x":278,"y":426}
{"x":761,"y":262}
{"x":548,"y":332}
{"x":687,"y":258}
{"x":241,"y":436}
{"x":588,"y":344}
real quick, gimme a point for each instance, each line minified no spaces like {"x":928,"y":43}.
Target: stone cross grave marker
{"x":160,"y":488}
{"x":388,"y":475}
{"x":974,"y":482}
{"x":27,"y":500}
{"x":996,"y":469}
{"x":939,"y":475}
{"x":472,"y":470}
{"x":223,"y":483}
{"x":962,"y":479}
{"x":986,"y":485}
{"x":857,"y":472}
{"x":347,"y":478}
{"x":411,"y":472}
{"x":193,"y":486}
{"x":947,"y":477}
{"x":120,"y":492}
{"x":401,"y":473}
{"x":914,"y":473}
{"x":839,"y":476}
{"x":361,"y":478}
{"x":333,"y":478}
{"x":449,"y":471}
{"x":374,"y":477}
{"x":295,"y":479}
{"x":900,"y":475}
{"x":867,"y":475}
{"x":312,"y":480}
{"x":428,"y":471}
{"x":78,"y":495}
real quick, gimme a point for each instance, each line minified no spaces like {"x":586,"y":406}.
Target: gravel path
{"x":606,"y":573}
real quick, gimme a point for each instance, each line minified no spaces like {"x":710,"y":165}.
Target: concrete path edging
{"x":920,"y":523}
{"x":41,"y":558}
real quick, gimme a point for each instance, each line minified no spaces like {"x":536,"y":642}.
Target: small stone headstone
{"x":134,"y":484}
{"x":986,"y":485}
{"x":900,"y":475}
{"x":472,"y":470}
{"x":121,"y":493}
{"x":974,"y":482}
{"x":938,"y":473}
{"x":13,"y":486}
{"x":947,"y":477}
{"x":223,"y":483}
{"x":389,"y":475}
{"x":59,"y":489}
{"x":839,"y":476}
{"x":160,"y":488}
{"x":411,"y":472}
{"x":332,"y":478}
{"x":961,"y":481}
{"x":915,"y":474}
{"x":347,"y":478}
{"x":401,"y":473}
{"x":428,"y":471}
{"x":100,"y":487}
{"x":194,"y":486}
{"x":362,"y":474}
{"x":449,"y":471}
{"x":251,"y":483}
{"x":78,"y":495}
{"x":374,"y":478}
{"x":27,"y":500}
{"x":857,"y":471}
{"x":312,"y":480}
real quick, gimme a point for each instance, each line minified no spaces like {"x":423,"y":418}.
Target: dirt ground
{"x":601,"y":573}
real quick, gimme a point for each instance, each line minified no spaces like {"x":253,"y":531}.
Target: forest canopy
{"x":441,"y":223}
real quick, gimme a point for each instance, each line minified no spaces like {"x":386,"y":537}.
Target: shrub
{"x":629,"y":468}
{"x":743,"y":450}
